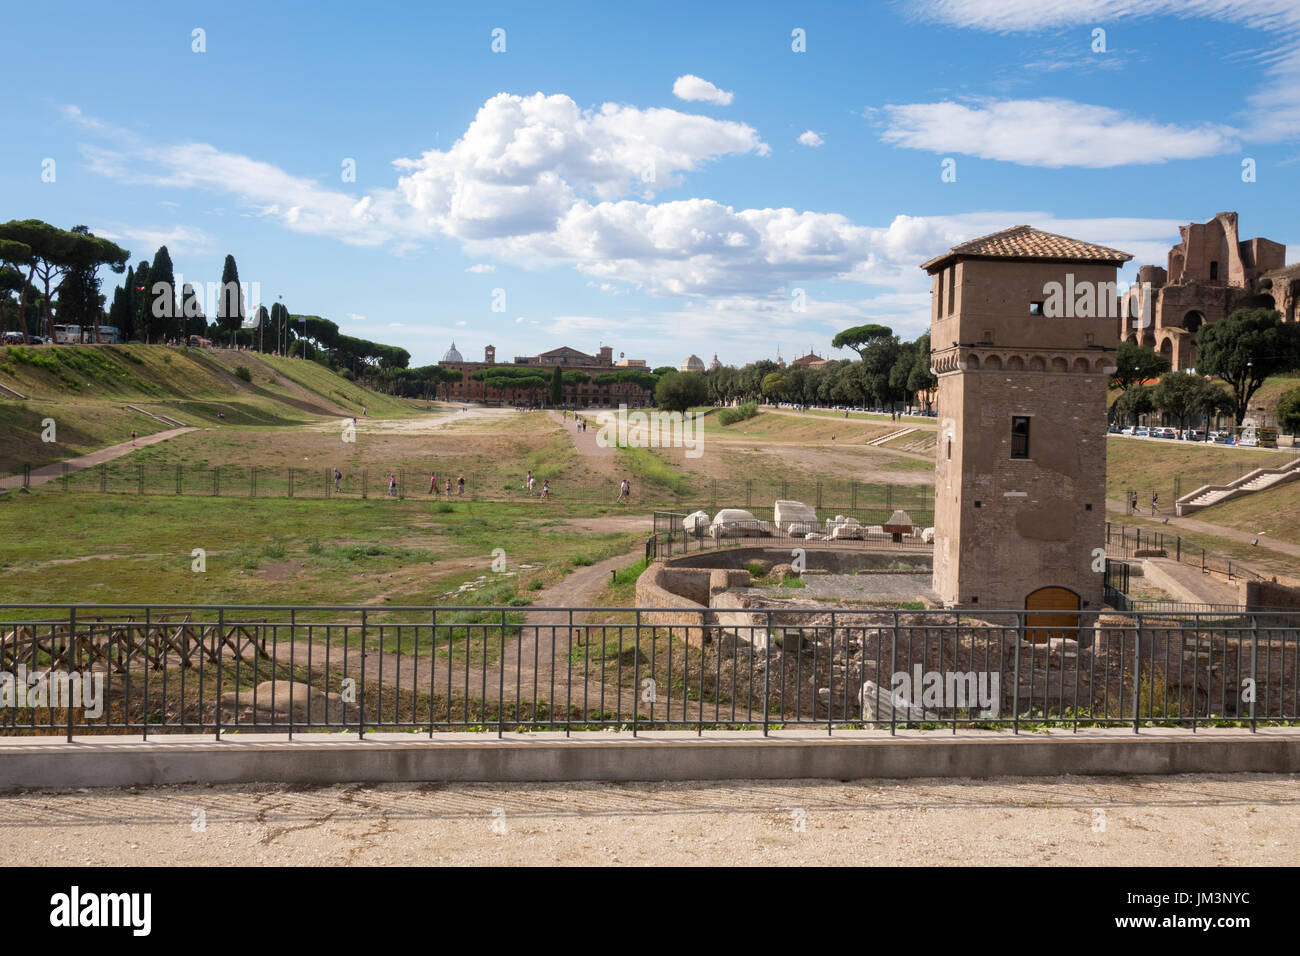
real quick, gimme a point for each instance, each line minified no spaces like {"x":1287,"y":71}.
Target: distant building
{"x":1210,"y":274}
{"x":811,"y":360}
{"x":692,"y":364}
{"x":595,"y":392}
{"x":715,"y":364}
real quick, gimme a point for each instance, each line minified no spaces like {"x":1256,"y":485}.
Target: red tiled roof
{"x":1026,"y":242}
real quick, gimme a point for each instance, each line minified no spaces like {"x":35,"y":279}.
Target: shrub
{"x":243,"y":374}
{"x":729,"y":416}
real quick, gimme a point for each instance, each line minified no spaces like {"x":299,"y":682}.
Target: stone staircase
{"x":158,"y":418}
{"x":1257,"y":480}
{"x":890,"y":436}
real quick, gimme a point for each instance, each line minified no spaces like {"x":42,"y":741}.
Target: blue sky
{"x":660,"y":179}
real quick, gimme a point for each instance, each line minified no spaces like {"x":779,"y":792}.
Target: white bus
{"x":76,"y":334}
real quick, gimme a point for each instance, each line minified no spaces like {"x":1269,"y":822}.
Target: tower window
{"x":1020,"y":436}
{"x":1214,"y":271}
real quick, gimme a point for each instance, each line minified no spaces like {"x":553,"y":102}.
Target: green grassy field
{"x":1153,"y":465}
{"x":84,"y":389}
{"x":111,"y":549}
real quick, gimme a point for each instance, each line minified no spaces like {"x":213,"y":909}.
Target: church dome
{"x":715,"y":364}
{"x":452,"y":355}
{"x":693,"y":363}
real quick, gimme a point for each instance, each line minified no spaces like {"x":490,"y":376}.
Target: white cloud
{"x":524,"y":161}
{"x":145,"y":240}
{"x":461,"y":324}
{"x":481,"y":268}
{"x":1049,"y":132}
{"x":353,"y":317}
{"x":1274,"y":108}
{"x":692,"y":88}
{"x":809,"y":138}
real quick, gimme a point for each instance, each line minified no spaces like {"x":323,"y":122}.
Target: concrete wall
{"x":733,"y":755}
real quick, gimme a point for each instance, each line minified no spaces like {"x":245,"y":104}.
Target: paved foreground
{"x":1208,"y":820}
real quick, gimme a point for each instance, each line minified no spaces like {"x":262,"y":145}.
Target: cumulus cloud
{"x":525,"y":160}
{"x":1049,"y":132}
{"x":809,"y":138}
{"x":537,"y":181}
{"x":481,"y":268}
{"x":692,"y":88}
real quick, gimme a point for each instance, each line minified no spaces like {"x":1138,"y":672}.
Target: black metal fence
{"x":133,"y":477}
{"x":1127,"y":541}
{"x":84,"y":669}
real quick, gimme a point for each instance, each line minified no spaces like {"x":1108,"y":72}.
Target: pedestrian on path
{"x":460,"y":486}
{"x":546,"y":490}
{"x":1155,"y":503}
{"x":392,"y":484}
{"x":132,"y":436}
{"x":624,"y":490}
{"x":338,"y":476}
{"x":433,"y":483}
{"x":447,"y":489}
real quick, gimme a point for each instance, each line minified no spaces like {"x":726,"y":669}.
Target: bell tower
{"x":1023,"y":333}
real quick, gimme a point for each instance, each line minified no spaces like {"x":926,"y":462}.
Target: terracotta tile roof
{"x":1026,"y":242}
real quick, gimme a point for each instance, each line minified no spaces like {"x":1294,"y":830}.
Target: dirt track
{"x":1153,"y":821}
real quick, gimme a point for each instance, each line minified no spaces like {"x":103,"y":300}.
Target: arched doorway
{"x":1052,"y":619}
{"x":1193,"y":320}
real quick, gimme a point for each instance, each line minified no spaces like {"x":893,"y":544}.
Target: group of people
{"x":530,"y":482}
{"x":460,"y":485}
{"x":1155,"y":503}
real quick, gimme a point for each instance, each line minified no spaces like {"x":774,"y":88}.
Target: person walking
{"x":132,"y":436}
{"x":338,"y":477}
{"x":392,"y":484}
{"x":1155,"y":503}
{"x":460,"y":486}
{"x":624,"y":490}
{"x":1133,"y":503}
{"x":447,"y":489}
{"x":546,"y":490}
{"x":529,"y":483}
{"x":433,"y":483}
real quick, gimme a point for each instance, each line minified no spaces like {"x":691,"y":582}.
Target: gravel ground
{"x":1244,"y":819}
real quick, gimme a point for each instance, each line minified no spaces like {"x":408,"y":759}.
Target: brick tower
{"x":1020,"y":472}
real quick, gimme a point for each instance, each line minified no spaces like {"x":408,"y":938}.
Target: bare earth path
{"x":49,"y":472}
{"x":1191,"y":524}
{"x":1212,"y":820}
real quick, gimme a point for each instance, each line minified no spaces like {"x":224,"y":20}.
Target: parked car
{"x":13,"y":338}
{"x":1193,"y":434}
{"x":1142,"y":431}
{"x":1127,"y":430}
{"x":1164,"y":433}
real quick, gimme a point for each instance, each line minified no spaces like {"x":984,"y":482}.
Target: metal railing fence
{"x":148,"y":669}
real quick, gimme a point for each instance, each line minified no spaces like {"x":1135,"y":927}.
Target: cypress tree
{"x":161,"y":296}
{"x":230,"y":304}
